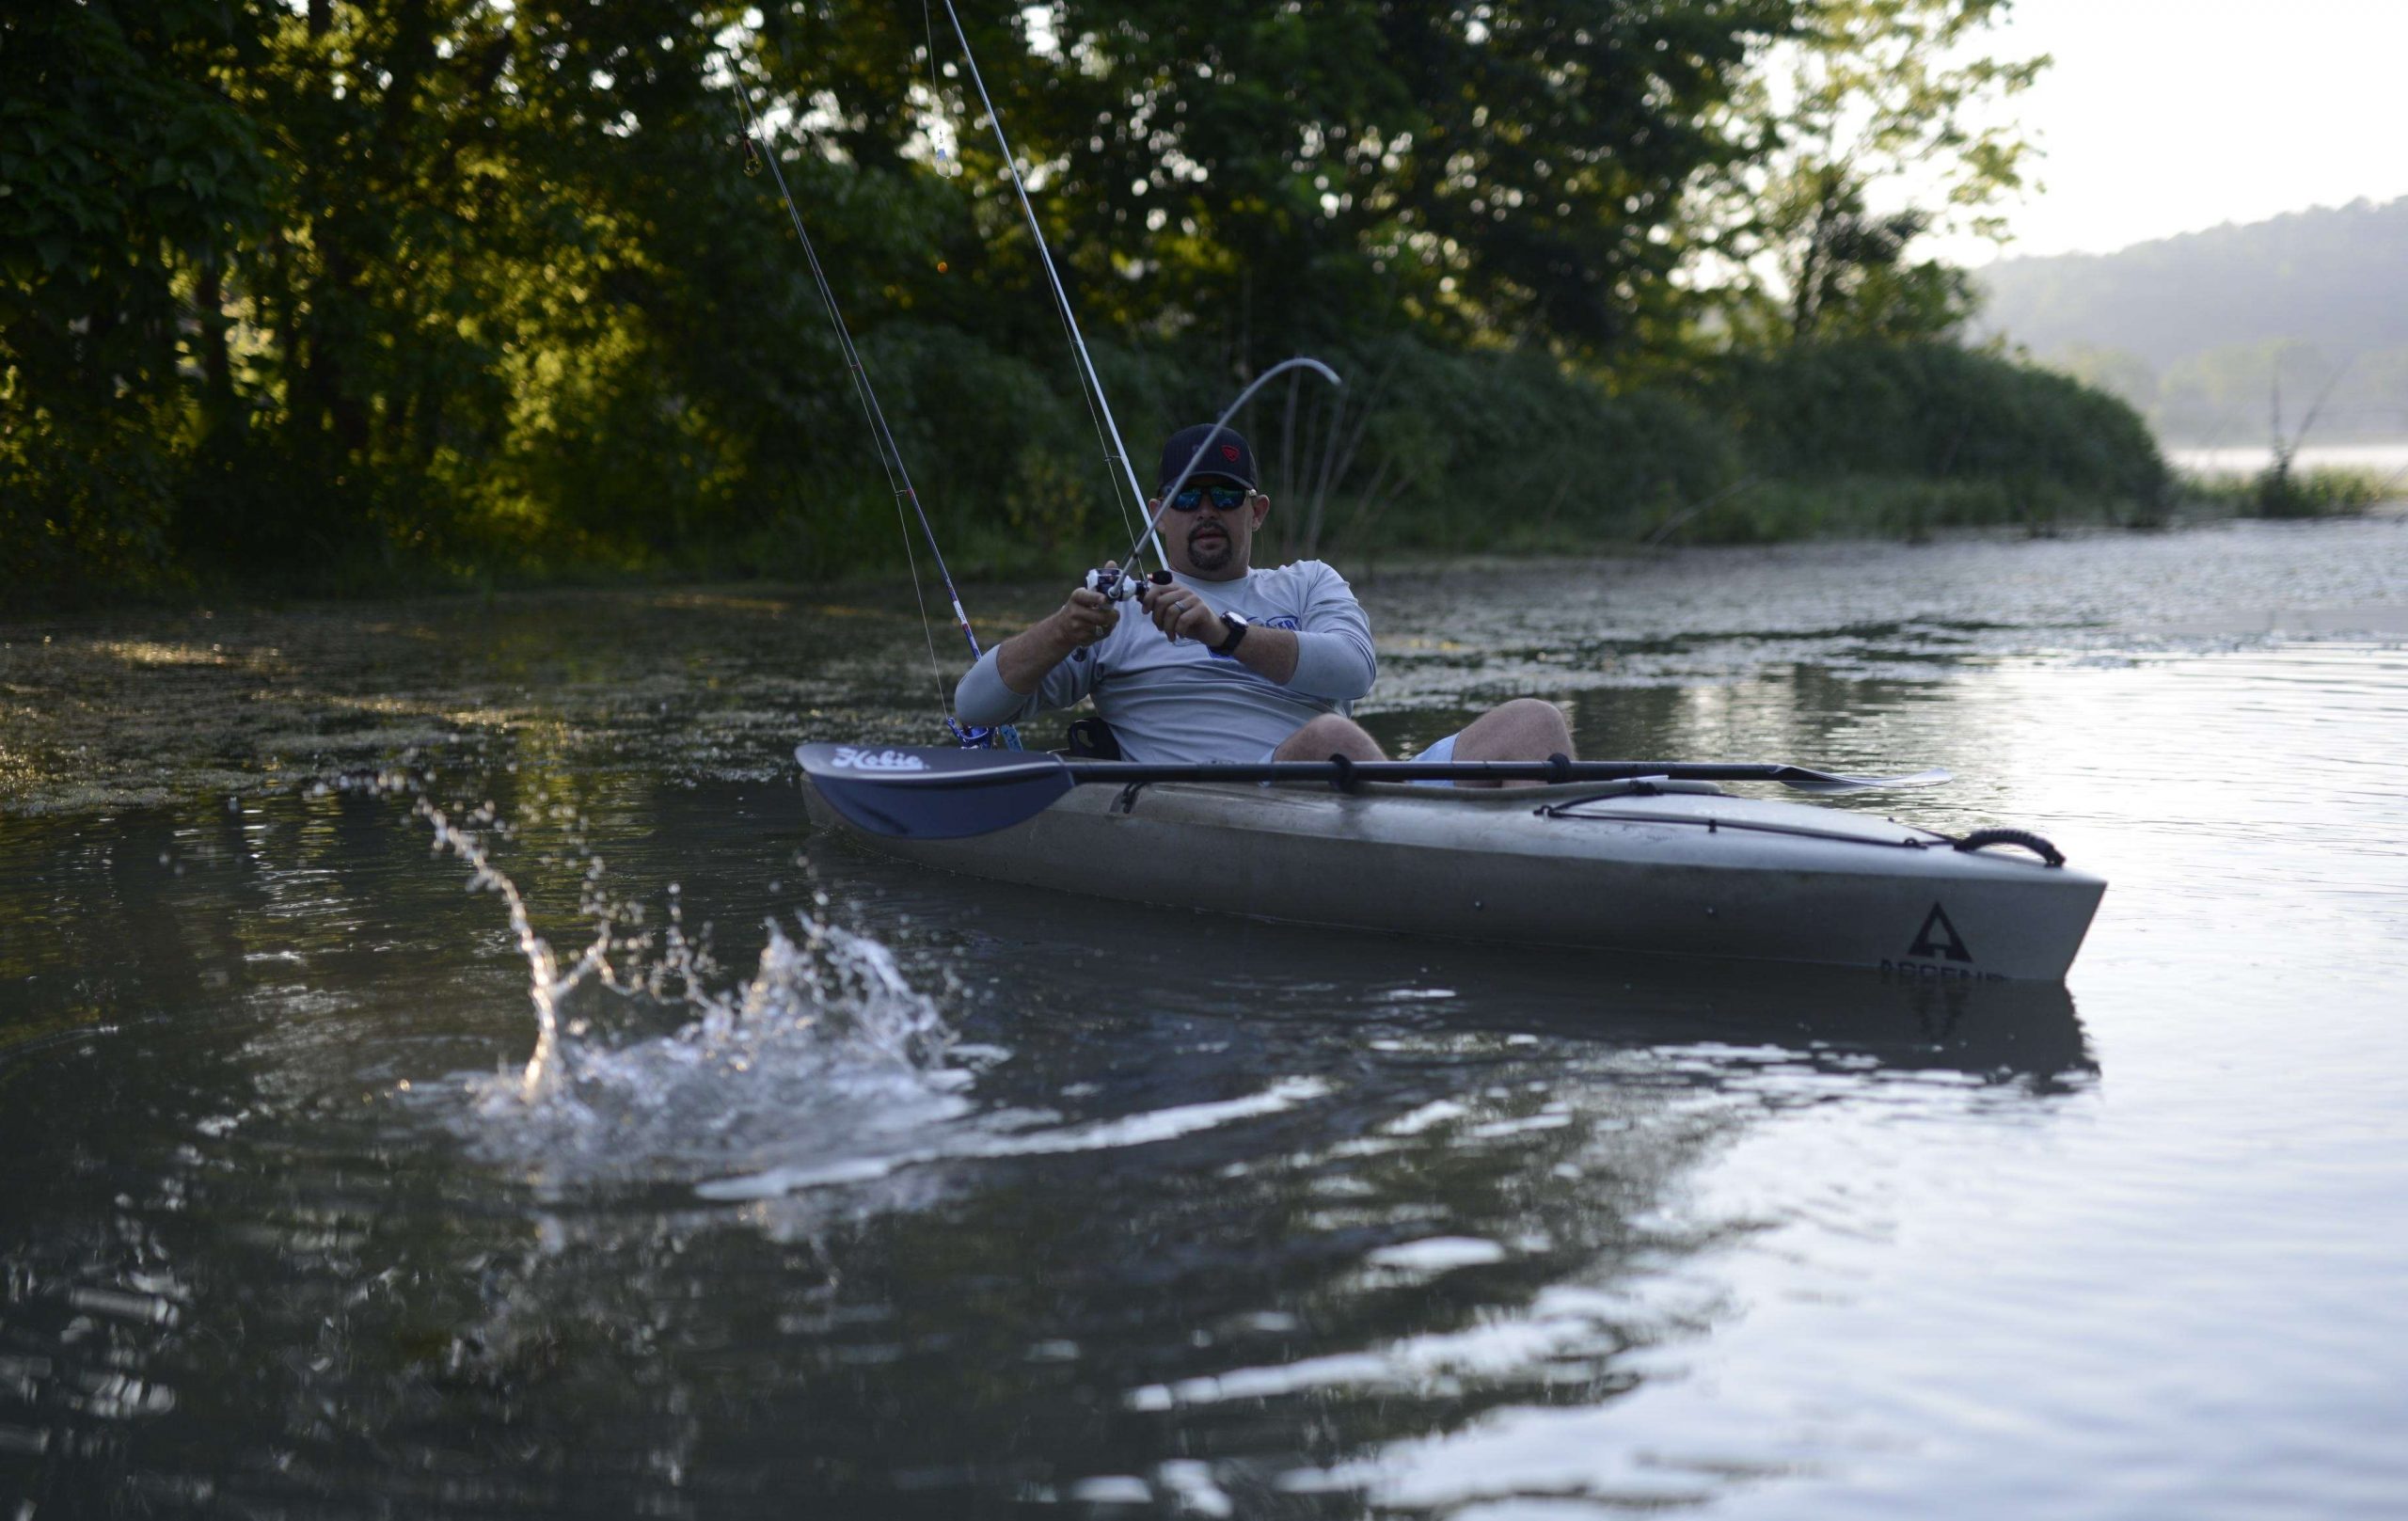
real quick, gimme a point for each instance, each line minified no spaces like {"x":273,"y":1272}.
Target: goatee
{"x":1212,"y":552}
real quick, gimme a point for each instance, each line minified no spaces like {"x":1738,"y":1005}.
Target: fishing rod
{"x":890,"y":453}
{"x":1117,"y":452}
{"x":1118,"y":584}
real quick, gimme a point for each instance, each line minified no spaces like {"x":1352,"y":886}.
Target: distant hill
{"x":2197,"y":330}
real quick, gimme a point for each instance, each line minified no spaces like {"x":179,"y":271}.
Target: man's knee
{"x":1526,"y":728}
{"x":1330,"y":735}
{"x":1527,"y":721}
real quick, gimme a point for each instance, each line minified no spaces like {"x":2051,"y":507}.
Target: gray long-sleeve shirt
{"x":1180,"y":701}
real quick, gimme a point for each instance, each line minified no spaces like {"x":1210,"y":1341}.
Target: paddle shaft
{"x":929,"y":793}
{"x":1346,"y":773}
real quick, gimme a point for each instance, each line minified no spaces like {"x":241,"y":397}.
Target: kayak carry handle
{"x":2024,"y":837}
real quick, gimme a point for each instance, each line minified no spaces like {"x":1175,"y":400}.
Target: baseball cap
{"x":1228,"y":457}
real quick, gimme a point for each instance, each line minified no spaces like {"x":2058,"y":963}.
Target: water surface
{"x":946,"y":1199}
{"x":2386,"y":460}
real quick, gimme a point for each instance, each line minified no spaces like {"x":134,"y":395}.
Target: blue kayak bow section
{"x":928,"y":793}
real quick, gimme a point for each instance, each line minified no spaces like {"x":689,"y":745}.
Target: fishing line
{"x":889,"y":454}
{"x":1119,"y":451}
{"x":1120,"y":501}
{"x":1113,"y":457}
{"x":1219,"y":427}
{"x":1112,"y":454}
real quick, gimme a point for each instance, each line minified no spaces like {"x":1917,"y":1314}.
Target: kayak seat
{"x":1091,"y":738}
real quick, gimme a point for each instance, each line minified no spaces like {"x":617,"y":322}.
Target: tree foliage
{"x":131,"y":182}
{"x":387,"y":288}
{"x":1317,"y":171}
{"x":1873,"y":102}
{"x":1936,"y":411}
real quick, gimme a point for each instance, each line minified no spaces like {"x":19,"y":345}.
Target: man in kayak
{"x":1229,"y":663}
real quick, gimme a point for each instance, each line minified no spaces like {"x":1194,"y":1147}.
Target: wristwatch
{"x":1237,"y":624}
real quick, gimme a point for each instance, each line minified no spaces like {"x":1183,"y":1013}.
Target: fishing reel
{"x":983,"y":736}
{"x":1119,"y":586}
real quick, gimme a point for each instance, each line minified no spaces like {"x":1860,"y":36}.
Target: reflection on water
{"x":2379,"y":460}
{"x":140,"y":709}
{"x":1380,"y":1186}
{"x":862,"y":1190}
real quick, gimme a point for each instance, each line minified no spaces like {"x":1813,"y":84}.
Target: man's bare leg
{"x":1526,"y":728}
{"x":1327,"y":736}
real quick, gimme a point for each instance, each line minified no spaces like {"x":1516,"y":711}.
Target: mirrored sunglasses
{"x":1228,"y":499}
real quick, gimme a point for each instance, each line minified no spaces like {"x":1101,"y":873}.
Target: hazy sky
{"x":2169,"y":116}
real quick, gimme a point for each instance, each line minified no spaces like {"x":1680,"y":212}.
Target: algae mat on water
{"x":132,"y":709}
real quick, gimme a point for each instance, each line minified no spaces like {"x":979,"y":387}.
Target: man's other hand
{"x":1089,"y":615}
{"x":1181,"y":613}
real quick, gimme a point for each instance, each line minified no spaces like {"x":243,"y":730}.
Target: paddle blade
{"x":932,"y":793}
{"x":1806,"y":781}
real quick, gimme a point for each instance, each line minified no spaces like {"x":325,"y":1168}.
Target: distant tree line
{"x":333,"y":294}
{"x":2245,"y":395}
{"x":2233,"y":335}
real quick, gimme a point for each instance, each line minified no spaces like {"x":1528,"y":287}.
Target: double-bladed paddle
{"x":933,"y":793}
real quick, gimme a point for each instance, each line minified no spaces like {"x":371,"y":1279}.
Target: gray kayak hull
{"x":1683,"y":871}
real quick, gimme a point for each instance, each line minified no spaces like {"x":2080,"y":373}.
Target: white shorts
{"x":1443,"y":750}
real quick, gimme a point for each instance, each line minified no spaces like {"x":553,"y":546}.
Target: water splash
{"x":547,"y":985}
{"x":825,"y":1056}
{"x":823,"y":1069}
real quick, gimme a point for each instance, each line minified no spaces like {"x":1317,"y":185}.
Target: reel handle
{"x":1119,"y":585}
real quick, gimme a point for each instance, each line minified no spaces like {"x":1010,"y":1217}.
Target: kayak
{"x":1660,"y":866}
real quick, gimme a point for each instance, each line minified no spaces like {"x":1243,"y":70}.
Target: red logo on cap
{"x":1230,"y":453}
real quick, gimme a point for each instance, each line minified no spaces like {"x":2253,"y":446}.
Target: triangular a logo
{"x":1939,"y":938}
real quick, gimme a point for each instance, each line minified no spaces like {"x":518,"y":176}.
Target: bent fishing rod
{"x":1115,"y":582}
{"x":1118,"y":584}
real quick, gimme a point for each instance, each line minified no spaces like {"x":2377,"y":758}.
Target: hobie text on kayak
{"x":879,"y":760}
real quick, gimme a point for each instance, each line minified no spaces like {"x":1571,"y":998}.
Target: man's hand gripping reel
{"x":1116,"y":585}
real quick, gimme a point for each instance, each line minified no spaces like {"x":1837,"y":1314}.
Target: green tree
{"x":130,"y":179}
{"x":1874,"y":102}
{"x":353,"y":290}
{"x":1268,"y":179}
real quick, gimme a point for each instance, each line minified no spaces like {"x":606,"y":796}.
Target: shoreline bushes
{"x":361,"y":296}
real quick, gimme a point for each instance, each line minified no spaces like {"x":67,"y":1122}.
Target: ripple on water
{"x":1213,"y":1218}
{"x":824,"y":1069}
